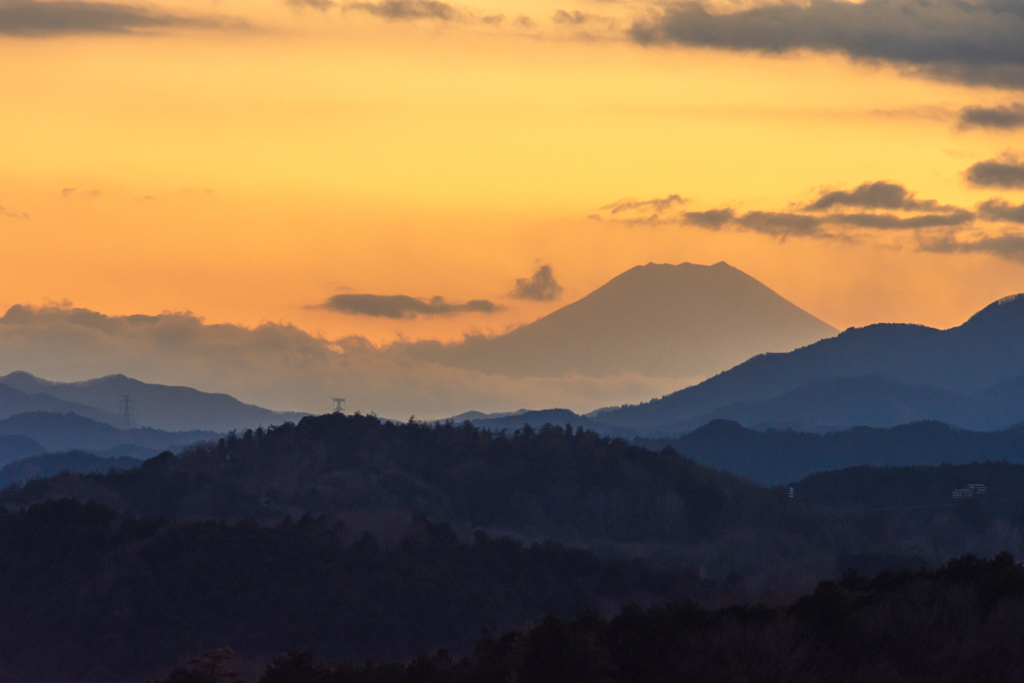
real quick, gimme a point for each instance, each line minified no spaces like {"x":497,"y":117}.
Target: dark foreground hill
{"x":91,"y":596}
{"x":574,"y":487}
{"x":958,"y":623}
{"x":928,"y":372}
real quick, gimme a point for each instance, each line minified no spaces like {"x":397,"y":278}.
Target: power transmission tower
{"x":127,"y":410}
{"x":339,"y":405}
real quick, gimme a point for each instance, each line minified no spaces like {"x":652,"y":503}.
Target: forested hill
{"x":783,"y":456}
{"x":91,"y":596}
{"x":555,"y":482}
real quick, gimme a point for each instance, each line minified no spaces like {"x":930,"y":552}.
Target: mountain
{"x":982,"y":357}
{"x":655,"y":320}
{"x":59,"y":432}
{"x":537,"y":419}
{"x":16,"y":447}
{"x":153,"y":405}
{"x":14,"y":401}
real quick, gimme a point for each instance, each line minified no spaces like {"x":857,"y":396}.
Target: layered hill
{"x":67,"y":431}
{"x":970,"y":375}
{"x":171,"y":408}
{"x":662,"y":320}
{"x":14,"y":401}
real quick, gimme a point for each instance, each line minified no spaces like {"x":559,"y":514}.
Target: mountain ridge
{"x":160,"y":406}
{"x":969,"y":358}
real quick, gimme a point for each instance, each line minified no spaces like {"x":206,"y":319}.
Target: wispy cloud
{"x":541,"y":286}
{"x":1008,"y":245}
{"x":972,"y":42}
{"x":31,"y":18}
{"x":398,"y":10}
{"x":400,"y":306}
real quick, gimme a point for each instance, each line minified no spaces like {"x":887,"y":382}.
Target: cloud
{"x":574,"y":18}
{"x":397,"y":10}
{"x":542,"y":286}
{"x":885,"y":221}
{"x":780,"y":224}
{"x":877,"y":195}
{"x":30,"y":18}
{"x":709,"y":220}
{"x":1005,"y":172}
{"x":1009,"y":245}
{"x":1002,"y":117}
{"x":648,"y":204}
{"x":321,"y":5}
{"x":524,"y":21}
{"x":4,"y":213}
{"x":975,"y":42}
{"x":401,"y":306}
{"x":999,"y":210}
{"x":283,"y":367}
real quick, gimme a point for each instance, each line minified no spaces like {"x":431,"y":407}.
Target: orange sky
{"x":245,"y":175}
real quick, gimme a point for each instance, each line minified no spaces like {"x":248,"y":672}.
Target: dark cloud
{"x":493,"y":20}
{"x":999,"y":210}
{"x":400,"y":306}
{"x":1003,"y":117}
{"x":976,"y":42}
{"x":647,"y":204}
{"x":1008,"y":245}
{"x":524,"y":21}
{"x":709,"y":220}
{"x":542,"y":286}
{"x":887,"y":221}
{"x":39,"y":19}
{"x":780,"y":224}
{"x":877,"y":195}
{"x":1005,"y":172}
{"x":408,"y":9}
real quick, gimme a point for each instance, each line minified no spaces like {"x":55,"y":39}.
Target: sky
{"x":415,"y":169}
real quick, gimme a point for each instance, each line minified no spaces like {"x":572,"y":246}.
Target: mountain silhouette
{"x":655,"y":320}
{"x":880,"y":374}
{"x":67,"y":431}
{"x":14,"y":401}
{"x":153,"y":405}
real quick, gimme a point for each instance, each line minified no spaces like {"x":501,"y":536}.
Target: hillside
{"x":781,"y":456}
{"x":982,"y":357}
{"x":663,"y":320}
{"x":157,"y":406}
